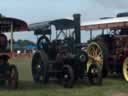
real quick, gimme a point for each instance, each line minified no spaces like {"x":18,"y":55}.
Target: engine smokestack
{"x":77,"y":27}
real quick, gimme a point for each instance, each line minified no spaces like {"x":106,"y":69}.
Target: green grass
{"x":28,"y":88}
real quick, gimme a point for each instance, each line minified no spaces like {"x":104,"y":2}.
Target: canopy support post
{"x":90,"y":34}
{"x":102,"y":31}
{"x":11,"y":45}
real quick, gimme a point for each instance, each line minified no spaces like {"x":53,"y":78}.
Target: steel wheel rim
{"x":94,"y":74}
{"x":95,"y":54}
{"x":66,"y":75}
{"x":39,"y":71}
{"x":125,"y":69}
{"x":37,"y":67}
{"x":13,"y":78}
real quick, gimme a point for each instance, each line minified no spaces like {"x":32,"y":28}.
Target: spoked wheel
{"x":39,"y":68}
{"x":125,"y":69}
{"x":68,"y":76}
{"x":13,"y":77}
{"x":98,"y":54}
{"x":95,"y":75}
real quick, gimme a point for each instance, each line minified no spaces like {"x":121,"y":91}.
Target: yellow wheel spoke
{"x":100,"y":54}
{"x":125,"y":69}
{"x":95,"y":53}
{"x":91,"y":50}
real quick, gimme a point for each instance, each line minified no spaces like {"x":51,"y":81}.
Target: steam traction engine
{"x":8,"y":72}
{"x":62,"y":57}
{"x":109,"y":50}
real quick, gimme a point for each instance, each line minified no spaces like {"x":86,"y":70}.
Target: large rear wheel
{"x":125,"y":69}
{"x":40,"y":67}
{"x":13,"y":77}
{"x":68,"y":76}
{"x":98,"y":54}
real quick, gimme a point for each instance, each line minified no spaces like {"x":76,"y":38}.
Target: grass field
{"x":28,"y":88}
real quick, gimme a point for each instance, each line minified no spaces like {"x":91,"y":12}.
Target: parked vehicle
{"x":109,"y":50}
{"x":8,"y":72}
{"x":62,"y":57}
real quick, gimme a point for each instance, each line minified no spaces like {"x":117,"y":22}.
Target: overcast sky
{"x":42,"y":10}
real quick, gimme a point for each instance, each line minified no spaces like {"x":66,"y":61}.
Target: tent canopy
{"x":112,"y":23}
{"x":8,"y":24}
{"x":30,"y":46}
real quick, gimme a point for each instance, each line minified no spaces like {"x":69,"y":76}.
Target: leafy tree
{"x":23,"y":43}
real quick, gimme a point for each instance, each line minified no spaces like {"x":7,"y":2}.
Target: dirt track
{"x":120,"y":94}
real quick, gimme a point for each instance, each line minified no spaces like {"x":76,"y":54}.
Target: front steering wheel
{"x":43,"y":42}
